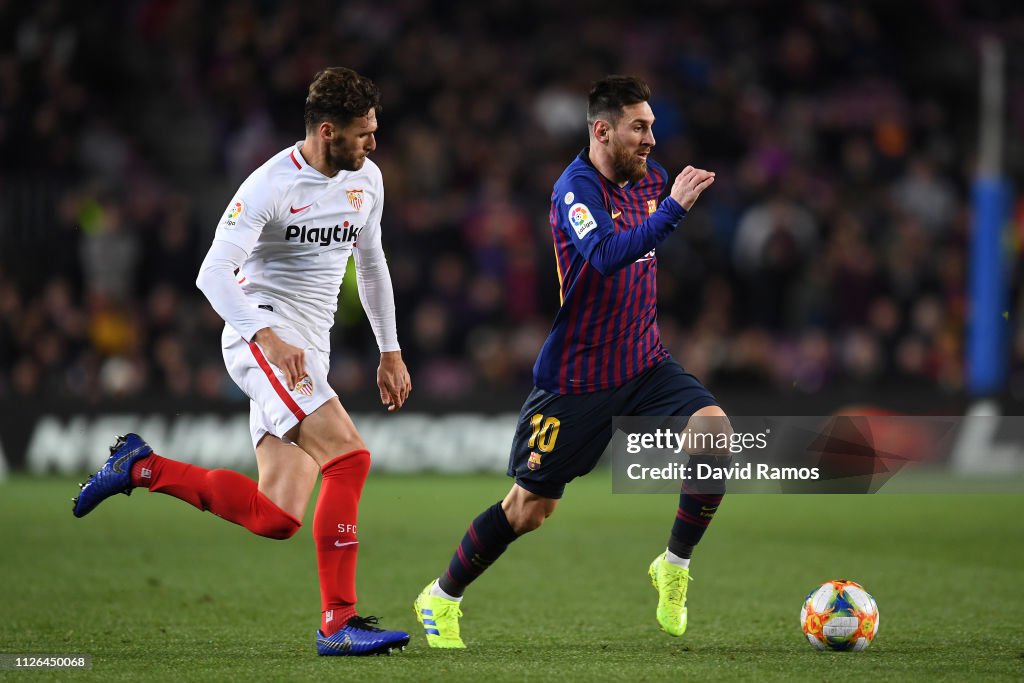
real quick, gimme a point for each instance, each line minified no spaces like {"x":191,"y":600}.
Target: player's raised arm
{"x":592,"y":228}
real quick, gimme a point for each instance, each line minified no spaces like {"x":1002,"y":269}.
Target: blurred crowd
{"x":831,"y":249}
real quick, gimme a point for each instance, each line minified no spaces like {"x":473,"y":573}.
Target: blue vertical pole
{"x":987,"y":326}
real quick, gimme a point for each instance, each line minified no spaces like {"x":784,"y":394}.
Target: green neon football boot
{"x":440,"y":619}
{"x":670,"y":581}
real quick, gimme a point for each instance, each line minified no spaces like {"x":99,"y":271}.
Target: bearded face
{"x":629,"y":161}
{"x":630,"y":141}
{"x":353,"y":143}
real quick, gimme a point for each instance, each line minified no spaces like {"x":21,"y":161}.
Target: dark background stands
{"x":831,"y":250}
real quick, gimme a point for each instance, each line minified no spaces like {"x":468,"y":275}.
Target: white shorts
{"x":274,"y":408}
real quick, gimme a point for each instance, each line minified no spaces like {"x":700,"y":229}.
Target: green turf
{"x":151,"y":588}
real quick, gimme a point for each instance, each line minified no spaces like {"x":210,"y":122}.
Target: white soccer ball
{"x":839,"y":615}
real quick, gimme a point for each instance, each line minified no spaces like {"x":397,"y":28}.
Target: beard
{"x":627,"y":165}
{"x":348,"y":163}
{"x":354,"y":163}
{"x":345,"y":159}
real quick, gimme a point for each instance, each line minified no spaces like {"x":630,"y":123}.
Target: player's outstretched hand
{"x":393,"y":380}
{"x":290,"y":359}
{"x":689,"y":184}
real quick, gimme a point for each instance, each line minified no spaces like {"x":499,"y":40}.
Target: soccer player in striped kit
{"x":273,"y":274}
{"x":602,"y":358}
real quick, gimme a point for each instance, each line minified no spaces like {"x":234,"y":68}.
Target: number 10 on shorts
{"x":545,"y":432}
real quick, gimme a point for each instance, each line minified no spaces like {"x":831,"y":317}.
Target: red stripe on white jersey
{"x":264,"y":364}
{"x":295,"y":161}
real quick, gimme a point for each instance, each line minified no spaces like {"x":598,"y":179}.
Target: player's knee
{"x":709,"y":432}
{"x":353,"y":442}
{"x":525,"y":523}
{"x":328,"y":433}
{"x":330,"y":447}
{"x":529,"y":518}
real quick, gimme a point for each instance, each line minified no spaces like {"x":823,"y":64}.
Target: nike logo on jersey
{"x":649,"y":256}
{"x":339,"y":544}
{"x":301,"y":208}
{"x":616,"y":214}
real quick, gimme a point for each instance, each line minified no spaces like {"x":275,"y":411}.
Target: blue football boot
{"x":114,"y":477}
{"x":360,"y":636}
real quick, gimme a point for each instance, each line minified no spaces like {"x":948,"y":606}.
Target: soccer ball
{"x":839,"y":615}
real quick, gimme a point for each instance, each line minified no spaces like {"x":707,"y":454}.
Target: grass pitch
{"x":153,"y":589}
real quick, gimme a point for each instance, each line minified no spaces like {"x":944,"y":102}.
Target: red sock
{"x":334,"y":532}
{"x":226,"y":494}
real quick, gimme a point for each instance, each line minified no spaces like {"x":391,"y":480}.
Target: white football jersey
{"x":299,"y":228}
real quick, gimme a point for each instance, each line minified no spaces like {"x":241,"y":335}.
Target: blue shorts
{"x":562,"y":436}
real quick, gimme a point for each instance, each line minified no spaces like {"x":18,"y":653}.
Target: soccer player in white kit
{"x":273,"y":274}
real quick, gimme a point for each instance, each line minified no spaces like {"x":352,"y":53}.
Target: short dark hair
{"x":338,"y":95}
{"x":610,"y":94}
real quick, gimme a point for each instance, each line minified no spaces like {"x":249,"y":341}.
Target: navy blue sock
{"x":695,"y":512}
{"x":485,"y":540}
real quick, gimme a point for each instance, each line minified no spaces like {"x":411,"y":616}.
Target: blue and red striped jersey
{"x":606,"y":331}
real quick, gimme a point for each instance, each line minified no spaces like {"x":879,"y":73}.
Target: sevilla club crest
{"x":355,"y":198}
{"x":304,"y":386}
